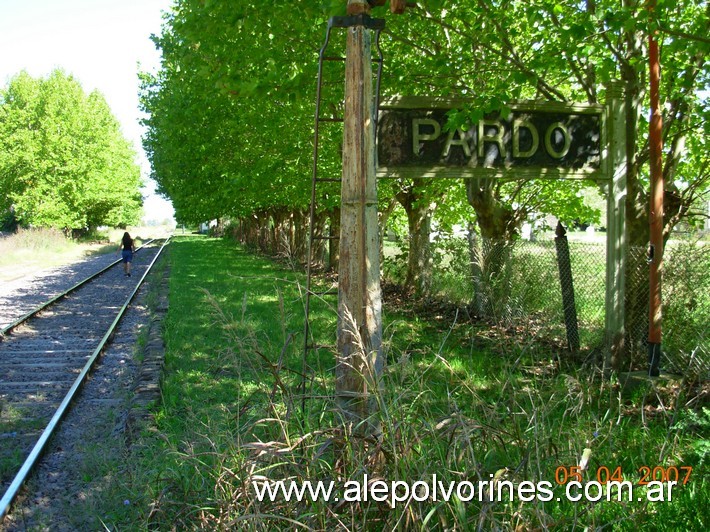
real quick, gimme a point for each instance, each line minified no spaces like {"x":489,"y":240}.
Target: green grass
{"x":458,"y":401}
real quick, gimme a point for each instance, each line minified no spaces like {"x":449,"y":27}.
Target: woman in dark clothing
{"x":127,"y":249}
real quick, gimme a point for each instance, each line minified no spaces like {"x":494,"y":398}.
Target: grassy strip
{"x":31,"y":250}
{"x":453,"y":405}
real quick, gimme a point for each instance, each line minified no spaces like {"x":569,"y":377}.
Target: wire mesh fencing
{"x":520,"y":284}
{"x":686,"y":295}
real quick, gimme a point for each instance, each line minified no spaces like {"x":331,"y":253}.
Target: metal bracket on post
{"x":363,"y":19}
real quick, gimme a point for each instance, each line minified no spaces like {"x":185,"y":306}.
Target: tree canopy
{"x":64,"y":162}
{"x":231,"y":110}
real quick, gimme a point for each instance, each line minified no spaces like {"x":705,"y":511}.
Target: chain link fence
{"x":518,"y":284}
{"x":686,"y":296}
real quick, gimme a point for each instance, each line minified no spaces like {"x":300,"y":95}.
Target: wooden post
{"x":615,"y":226}
{"x":360,"y":362}
{"x":564,"y":267}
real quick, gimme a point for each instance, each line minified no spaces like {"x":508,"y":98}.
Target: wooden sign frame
{"x":610,"y":172}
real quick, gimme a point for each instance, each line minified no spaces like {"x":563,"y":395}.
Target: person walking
{"x":127,"y":248}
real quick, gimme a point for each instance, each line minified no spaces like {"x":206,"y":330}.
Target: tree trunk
{"x":300,"y":235}
{"x":251,"y":232}
{"x":479,"y":303}
{"x":498,"y":224}
{"x":291,"y":236}
{"x":490,"y":270}
{"x":496,"y":219}
{"x":383,"y":217}
{"x":280,"y":232}
{"x":318,"y":245}
{"x":637,"y":231}
{"x":262,"y":219}
{"x":419,"y":261}
{"x":419,"y":258}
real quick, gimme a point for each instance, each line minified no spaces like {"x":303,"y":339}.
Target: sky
{"x":102,"y":43}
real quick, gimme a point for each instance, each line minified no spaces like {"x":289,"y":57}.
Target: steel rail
{"x":39,"y":447}
{"x":5,"y":330}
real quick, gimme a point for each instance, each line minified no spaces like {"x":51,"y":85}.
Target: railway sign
{"x":533,"y":140}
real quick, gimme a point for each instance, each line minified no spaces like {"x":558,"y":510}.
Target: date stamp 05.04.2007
{"x":680,"y":475}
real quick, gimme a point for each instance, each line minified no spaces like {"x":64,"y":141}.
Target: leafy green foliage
{"x":231,"y":110}
{"x":229,"y":127}
{"x":63,"y":160}
{"x":495,"y":52}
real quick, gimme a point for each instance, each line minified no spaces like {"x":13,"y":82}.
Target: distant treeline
{"x":64,"y":162}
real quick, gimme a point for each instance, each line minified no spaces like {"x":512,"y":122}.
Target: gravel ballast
{"x":90,"y":448}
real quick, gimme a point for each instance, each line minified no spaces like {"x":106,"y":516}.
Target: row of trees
{"x":64,"y":162}
{"x":231,"y":111}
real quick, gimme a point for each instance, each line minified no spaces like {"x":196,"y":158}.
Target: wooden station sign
{"x":535,"y":140}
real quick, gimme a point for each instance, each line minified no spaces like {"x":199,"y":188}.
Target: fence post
{"x":616,"y":228}
{"x":564,"y":267}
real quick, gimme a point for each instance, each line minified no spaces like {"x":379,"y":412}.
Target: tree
{"x":229,"y":131}
{"x":229,"y":70}
{"x":63,"y":160}
{"x":500,"y":51}
{"x":231,"y":110}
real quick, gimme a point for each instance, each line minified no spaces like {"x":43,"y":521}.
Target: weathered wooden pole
{"x":616,"y":227}
{"x":360,"y":360}
{"x":656,"y":208}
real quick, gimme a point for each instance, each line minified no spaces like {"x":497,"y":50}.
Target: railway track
{"x":45,"y":356}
